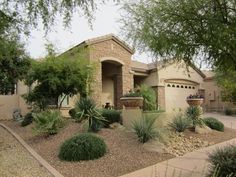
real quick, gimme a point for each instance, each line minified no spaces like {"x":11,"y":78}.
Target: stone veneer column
{"x":96,"y":86}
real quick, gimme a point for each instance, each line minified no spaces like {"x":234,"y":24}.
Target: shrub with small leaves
{"x":48,"y":122}
{"x":111,"y":116}
{"x":214,"y":124}
{"x":180,"y":123}
{"x":229,"y":111}
{"x":145,"y":128}
{"x":223,"y":160}
{"x":28,"y":119}
{"x":84,"y":146}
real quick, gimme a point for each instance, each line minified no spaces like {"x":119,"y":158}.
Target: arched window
{"x":168,"y":85}
{"x":177,"y":86}
{"x":173,"y":85}
{"x":182,"y":86}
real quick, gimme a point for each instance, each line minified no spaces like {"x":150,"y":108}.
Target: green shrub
{"x":214,"y":124}
{"x":145,"y":128}
{"x":149,"y":97}
{"x":84,"y":146}
{"x":224,"y":160}
{"x":28,"y":119}
{"x":180,"y":123}
{"x":230,"y":111}
{"x":194,"y":113}
{"x":72,"y":113}
{"x":111,"y":116}
{"x":48,"y":122}
{"x":132,"y":94}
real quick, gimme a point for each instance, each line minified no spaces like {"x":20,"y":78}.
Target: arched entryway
{"x":111,"y":82}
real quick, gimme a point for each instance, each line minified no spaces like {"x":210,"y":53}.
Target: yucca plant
{"x":180,"y":123}
{"x":48,"y":122}
{"x":145,"y":128}
{"x":194,"y":113}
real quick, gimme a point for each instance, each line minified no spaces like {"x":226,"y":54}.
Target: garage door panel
{"x":176,"y":96}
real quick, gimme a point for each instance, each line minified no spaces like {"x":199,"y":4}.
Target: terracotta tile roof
{"x":109,"y":37}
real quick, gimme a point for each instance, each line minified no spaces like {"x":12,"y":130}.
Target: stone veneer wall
{"x":112,"y":49}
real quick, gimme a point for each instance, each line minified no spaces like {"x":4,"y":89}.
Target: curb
{"x":43,"y":162}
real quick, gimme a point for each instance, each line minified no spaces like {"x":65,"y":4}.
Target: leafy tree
{"x":29,"y":13}
{"x":60,"y":76}
{"x":227,"y":82}
{"x":184,"y":29}
{"x":14,"y":62}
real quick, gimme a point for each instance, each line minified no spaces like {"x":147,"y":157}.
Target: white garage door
{"x":176,"y":94}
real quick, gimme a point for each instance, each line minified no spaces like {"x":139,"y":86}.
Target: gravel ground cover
{"x":125,"y":154}
{"x":15,"y":161}
{"x":182,"y":143}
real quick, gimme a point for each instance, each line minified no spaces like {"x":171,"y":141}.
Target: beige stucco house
{"x":116,"y":74}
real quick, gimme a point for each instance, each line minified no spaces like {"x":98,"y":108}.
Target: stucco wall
{"x":179,"y":71}
{"x":10,"y":102}
{"x":151,"y":79}
{"x":212,"y":95}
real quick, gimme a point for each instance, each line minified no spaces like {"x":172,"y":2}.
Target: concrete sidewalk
{"x":193,"y":164}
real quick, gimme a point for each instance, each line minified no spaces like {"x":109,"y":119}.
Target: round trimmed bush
{"x":84,"y":146}
{"x":223,"y":161}
{"x":214,"y":124}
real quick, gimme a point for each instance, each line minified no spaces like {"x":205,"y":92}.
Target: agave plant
{"x":89,"y":113}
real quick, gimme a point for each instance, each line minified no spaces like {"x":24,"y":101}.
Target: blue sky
{"x":106,"y":21}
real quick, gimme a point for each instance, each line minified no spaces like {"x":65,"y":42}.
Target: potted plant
{"x":132,"y":100}
{"x":195,"y":100}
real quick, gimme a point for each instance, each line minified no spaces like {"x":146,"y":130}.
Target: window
{"x":177,"y":86}
{"x":182,"y":86}
{"x":186,"y":86}
{"x":65,"y":102}
{"x":168,"y":85}
{"x":173,"y":85}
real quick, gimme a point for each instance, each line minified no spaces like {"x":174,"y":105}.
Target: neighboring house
{"x":116,"y":74}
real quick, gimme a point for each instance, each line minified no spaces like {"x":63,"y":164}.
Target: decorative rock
{"x":202,"y":129}
{"x":116,"y":125}
{"x":180,"y":145}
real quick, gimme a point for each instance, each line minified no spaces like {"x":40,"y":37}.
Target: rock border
{"x":43,"y":162}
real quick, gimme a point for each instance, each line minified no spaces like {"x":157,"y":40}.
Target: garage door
{"x":176,"y":94}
